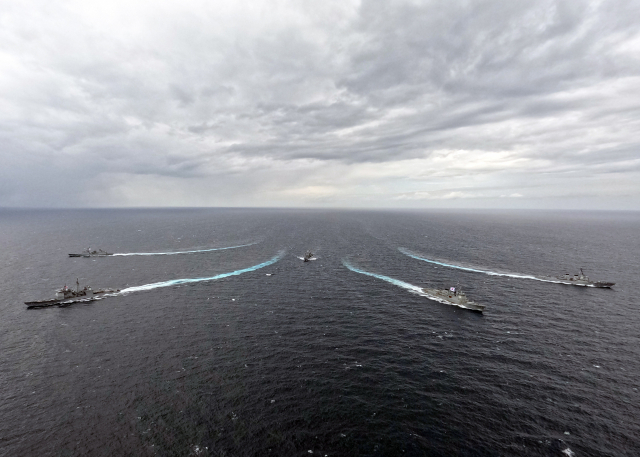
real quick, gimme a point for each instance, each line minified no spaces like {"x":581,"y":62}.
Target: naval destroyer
{"x":452,"y":296}
{"x":582,"y":280}
{"x":91,"y":253}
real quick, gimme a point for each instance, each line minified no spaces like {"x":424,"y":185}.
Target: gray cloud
{"x":363,"y":103}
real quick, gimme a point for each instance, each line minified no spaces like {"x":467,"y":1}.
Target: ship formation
{"x":66,"y":296}
{"x":451,"y":296}
{"x":454,"y":296}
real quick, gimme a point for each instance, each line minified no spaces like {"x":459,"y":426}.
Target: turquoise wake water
{"x":174,"y":282}
{"x":397,"y":282}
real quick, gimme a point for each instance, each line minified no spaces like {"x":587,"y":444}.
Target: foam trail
{"x":405,"y":285}
{"x":174,"y":282}
{"x":396,"y":282}
{"x":183,"y":252}
{"x":487,"y":272}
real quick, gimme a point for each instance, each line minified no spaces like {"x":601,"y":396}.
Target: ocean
{"x":222,"y":342}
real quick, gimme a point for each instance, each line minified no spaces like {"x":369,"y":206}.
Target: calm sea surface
{"x":289,"y":358}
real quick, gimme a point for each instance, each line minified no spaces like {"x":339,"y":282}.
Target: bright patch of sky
{"x":506,"y":104}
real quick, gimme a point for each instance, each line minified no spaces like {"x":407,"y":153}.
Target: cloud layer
{"x":292,"y":103}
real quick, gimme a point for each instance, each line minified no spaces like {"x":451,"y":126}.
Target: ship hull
{"x":599,"y":284}
{"x":90,"y":255}
{"x":61,"y":303}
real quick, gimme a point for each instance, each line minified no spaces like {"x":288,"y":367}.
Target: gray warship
{"x":452,"y":296}
{"x":582,"y":280}
{"x":308,"y":256}
{"x":91,"y":253}
{"x":66,"y":296}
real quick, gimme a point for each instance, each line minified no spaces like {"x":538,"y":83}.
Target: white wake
{"x":476,"y":270}
{"x":182,"y":252}
{"x":174,"y":282}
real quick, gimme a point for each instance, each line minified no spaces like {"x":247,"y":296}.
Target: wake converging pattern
{"x":183,"y":252}
{"x":174,"y":282}
{"x":475,"y":270}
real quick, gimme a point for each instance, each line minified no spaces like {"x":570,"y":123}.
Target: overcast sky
{"x":486,"y":103}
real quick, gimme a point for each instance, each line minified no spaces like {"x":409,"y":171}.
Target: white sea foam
{"x":476,"y":270}
{"x":175,"y":282}
{"x":182,"y":252}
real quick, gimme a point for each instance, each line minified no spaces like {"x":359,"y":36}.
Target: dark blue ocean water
{"x":317,"y":359}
